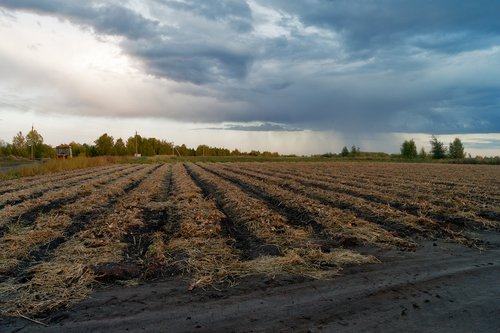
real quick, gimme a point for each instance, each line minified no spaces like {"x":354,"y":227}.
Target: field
{"x":216,"y":226}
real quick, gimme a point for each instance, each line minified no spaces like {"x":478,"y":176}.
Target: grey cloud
{"x":482,"y":143}
{"x":378,"y":103}
{"x":237,"y":13}
{"x":116,"y":20}
{"x":105,"y":18}
{"x":362,"y":66}
{"x":198,"y":62}
{"x":368,"y":24}
{"x":178,"y":54}
{"x":452,"y":42}
{"x":259,"y":127}
{"x":263,"y":127}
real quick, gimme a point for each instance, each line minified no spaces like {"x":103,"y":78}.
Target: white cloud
{"x":74,"y":72}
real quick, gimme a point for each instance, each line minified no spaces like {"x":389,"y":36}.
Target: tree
{"x":78,"y":149}
{"x":104,"y":145}
{"x":134,"y":142}
{"x":456,"y":149}
{"x":409,"y":149}
{"x":34,"y":142}
{"x":19,"y":145}
{"x":354,"y":151}
{"x":438,"y":150}
{"x":164,"y":148}
{"x":344,"y":152}
{"x":34,"y":138}
{"x":120,"y":148}
{"x":45,"y":151}
{"x":92,"y":151}
{"x":422,"y":154}
{"x":148,"y":147}
{"x":203,"y":150}
{"x":5,"y":148}
{"x":88,"y":150}
{"x":182,"y":150}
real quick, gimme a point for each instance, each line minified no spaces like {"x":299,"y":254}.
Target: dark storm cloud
{"x":199,"y":62}
{"x":375,"y":24}
{"x":389,"y":65}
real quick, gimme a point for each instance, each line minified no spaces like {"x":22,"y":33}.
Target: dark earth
{"x":440,"y":287}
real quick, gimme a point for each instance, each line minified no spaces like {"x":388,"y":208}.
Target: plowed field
{"x":215,"y":225}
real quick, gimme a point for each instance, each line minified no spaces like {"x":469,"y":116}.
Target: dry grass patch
{"x":66,"y":279}
{"x":18,"y":242}
{"x":207,"y":262}
{"x":156,"y":249}
{"x":60,"y":165}
{"x":308,"y":262}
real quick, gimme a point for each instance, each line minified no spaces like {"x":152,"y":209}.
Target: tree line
{"x":32,"y":145}
{"x":408,"y":150}
{"x":29,"y":146}
{"x":455,"y":150}
{"x":106,"y":145}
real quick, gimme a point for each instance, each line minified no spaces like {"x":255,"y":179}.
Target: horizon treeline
{"x":29,"y":146}
{"x":32,"y":145}
{"x":438,"y":150}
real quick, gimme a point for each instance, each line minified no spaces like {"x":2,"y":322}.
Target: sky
{"x":298,"y":77}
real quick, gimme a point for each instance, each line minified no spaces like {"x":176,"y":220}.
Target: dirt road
{"x":441,"y":287}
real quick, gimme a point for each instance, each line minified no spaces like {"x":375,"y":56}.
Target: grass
{"x":60,"y":165}
{"x":308,"y":262}
{"x":19,"y":241}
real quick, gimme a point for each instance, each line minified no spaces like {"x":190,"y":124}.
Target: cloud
{"x":256,"y":127}
{"x":236,"y":13}
{"x":367,"y":25}
{"x":482,"y":143}
{"x":105,"y":18}
{"x":386,"y":66}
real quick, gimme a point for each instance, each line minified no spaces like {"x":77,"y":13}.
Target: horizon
{"x":422,"y":140}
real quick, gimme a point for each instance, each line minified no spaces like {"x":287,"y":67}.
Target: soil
{"x":441,"y":287}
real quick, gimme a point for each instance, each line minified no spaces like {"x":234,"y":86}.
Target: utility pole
{"x":136,"y":152}
{"x":32,"y":143}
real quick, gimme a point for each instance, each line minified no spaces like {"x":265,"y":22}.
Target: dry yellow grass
{"x":19,"y":241}
{"x":207,"y":258}
{"x":66,"y":279}
{"x":308,"y":262}
{"x":207,"y":262}
{"x":156,"y":249}
{"x":59,"y":165}
{"x":336,"y":222}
